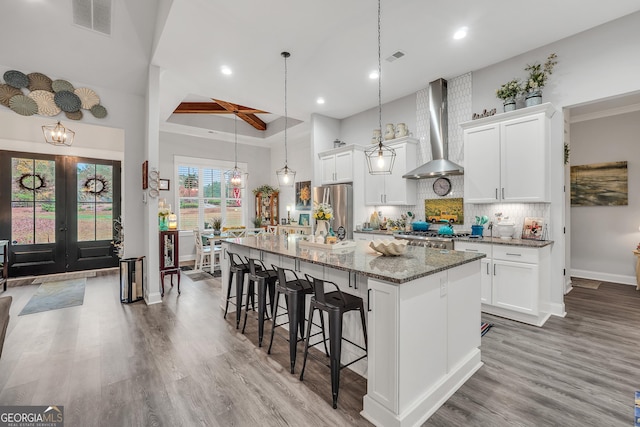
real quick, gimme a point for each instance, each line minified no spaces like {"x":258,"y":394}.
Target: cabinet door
{"x":328,"y":169}
{"x":486,"y":291}
{"x":515,"y":286}
{"x":382,"y":327}
{"x":344,"y":167}
{"x":482,"y":164}
{"x":524,"y":159}
{"x":398,"y":190}
{"x":373,"y":189}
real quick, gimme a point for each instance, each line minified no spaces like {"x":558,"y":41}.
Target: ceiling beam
{"x":250,"y":118}
{"x":222,"y":107}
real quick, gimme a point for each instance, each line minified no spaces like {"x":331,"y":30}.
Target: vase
{"x":509,"y":104}
{"x":322,"y":227}
{"x":533,"y":98}
{"x":163,"y":223}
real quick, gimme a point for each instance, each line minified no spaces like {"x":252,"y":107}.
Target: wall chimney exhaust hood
{"x":440,"y":165}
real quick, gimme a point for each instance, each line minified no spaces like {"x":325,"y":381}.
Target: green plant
{"x":510,"y":89}
{"x":265,"y":189}
{"x":216,"y":223}
{"x":257,"y":222}
{"x":539,"y":74}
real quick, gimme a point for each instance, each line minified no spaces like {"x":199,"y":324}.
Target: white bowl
{"x":389,"y":247}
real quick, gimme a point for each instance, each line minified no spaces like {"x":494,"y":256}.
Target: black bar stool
{"x":294,"y":291}
{"x":258,"y":273}
{"x":239,"y":268}
{"x":335,"y":303}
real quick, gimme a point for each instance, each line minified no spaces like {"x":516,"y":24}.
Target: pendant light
{"x":286,"y":175}
{"x":235,"y":178}
{"x":56,"y":134}
{"x":380,"y":158}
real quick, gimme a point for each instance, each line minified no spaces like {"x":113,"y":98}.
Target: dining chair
{"x":203,"y":253}
{"x":272,"y":229}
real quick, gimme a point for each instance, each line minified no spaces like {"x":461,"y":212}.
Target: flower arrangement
{"x":323,"y":211}
{"x":163,"y":213}
{"x":538,"y":74}
{"x":510,"y":89}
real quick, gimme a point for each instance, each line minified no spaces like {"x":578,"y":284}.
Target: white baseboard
{"x":605,"y":277}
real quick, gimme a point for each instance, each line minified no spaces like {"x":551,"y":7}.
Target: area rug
{"x":201,"y":275}
{"x":484,"y":328}
{"x":63,"y":276}
{"x":55,"y":295}
{"x":585,"y":283}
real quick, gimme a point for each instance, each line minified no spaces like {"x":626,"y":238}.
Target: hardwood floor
{"x":181,"y":364}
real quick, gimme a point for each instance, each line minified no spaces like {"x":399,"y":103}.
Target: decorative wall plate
{"x":98,"y":111}
{"x":76,"y":115}
{"x":88,"y":98}
{"x":23,"y":105}
{"x":38,"y":81}
{"x":46,"y":104}
{"x":67,"y":101}
{"x":7,"y":92}
{"x":16,"y":79}
{"x":60,"y":85}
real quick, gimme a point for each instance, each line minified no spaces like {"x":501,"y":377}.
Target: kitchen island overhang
{"x":423,"y":319}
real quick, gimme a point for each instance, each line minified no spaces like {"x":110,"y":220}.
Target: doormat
{"x":585,"y":283}
{"x":198,"y":275}
{"x":55,"y":295}
{"x":484,"y":328}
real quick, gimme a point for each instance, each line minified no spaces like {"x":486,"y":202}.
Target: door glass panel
{"x":95,"y":201}
{"x":33,"y":180}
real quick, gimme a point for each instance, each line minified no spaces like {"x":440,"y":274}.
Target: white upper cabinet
{"x":393,"y":189}
{"x":337,"y":165}
{"x":507,"y":156}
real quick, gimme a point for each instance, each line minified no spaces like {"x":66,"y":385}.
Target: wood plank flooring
{"x":181,"y":364}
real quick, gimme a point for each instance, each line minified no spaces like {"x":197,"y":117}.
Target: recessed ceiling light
{"x":373,"y":75}
{"x":226,"y":70}
{"x":461,"y":33}
{"x":320,"y":100}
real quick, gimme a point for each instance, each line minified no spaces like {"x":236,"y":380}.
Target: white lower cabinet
{"x":512,"y":280}
{"x":367,"y":237}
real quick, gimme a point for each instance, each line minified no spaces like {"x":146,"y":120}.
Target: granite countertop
{"x":513,"y":242}
{"x":415,"y":263}
{"x":385,"y":232}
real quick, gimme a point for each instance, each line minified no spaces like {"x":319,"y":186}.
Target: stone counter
{"x":417,"y":262}
{"x":512,"y":242}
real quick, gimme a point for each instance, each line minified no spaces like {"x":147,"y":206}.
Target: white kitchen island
{"x":423,"y":318}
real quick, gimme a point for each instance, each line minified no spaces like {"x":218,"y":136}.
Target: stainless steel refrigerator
{"x":340,"y":197}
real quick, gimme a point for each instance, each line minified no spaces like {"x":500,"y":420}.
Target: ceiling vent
{"x":396,"y":55}
{"x":93,"y":14}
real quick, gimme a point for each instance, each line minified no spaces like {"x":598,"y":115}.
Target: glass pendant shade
{"x":380,"y":159}
{"x":286,"y":176}
{"x":56,"y":134}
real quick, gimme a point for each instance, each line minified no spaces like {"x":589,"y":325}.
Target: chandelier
{"x":56,"y":134}
{"x":235,"y":178}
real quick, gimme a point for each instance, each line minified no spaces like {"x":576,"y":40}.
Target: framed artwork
{"x":444,"y":210}
{"x":303,"y":196}
{"x":304,"y":219}
{"x":599,"y":184}
{"x":163,"y":184}
{"x":533,"y":228}
{"x":145,"y":174}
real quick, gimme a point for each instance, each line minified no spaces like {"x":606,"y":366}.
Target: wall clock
{"x":442,"y":186}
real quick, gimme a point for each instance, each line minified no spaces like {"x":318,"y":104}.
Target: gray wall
{"x":602,"y":237}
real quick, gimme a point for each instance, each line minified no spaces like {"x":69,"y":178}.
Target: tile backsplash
{"x":516,"y":212}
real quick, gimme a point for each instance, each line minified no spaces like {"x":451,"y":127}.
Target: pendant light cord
{"x":285,"y":55}
{"x":379,"y":81}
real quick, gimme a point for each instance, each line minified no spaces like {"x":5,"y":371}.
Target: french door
{"x":58,"y":212}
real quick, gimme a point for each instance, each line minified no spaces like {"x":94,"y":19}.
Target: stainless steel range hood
{"x":440,"y":165}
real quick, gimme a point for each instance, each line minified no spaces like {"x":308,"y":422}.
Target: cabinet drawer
{"x":515,"y":253}
{"x":480,"y":248}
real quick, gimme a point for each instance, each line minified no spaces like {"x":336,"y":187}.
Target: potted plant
{"x":538,"y":75}
{"x":216,"y":224}
{"x":508,"y":93}
{"x":257,"y":222}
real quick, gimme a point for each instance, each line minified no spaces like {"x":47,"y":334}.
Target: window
{"x":203,"y":195}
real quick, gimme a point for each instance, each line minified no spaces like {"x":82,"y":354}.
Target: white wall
{"x":602,"y":237}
